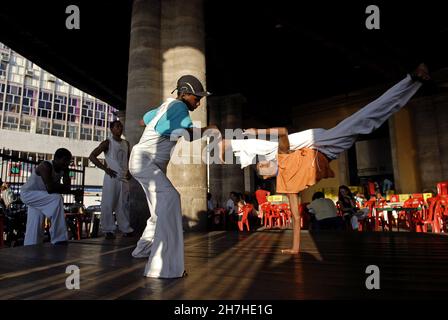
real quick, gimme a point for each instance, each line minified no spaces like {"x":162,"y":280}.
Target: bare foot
{"x":290,"y":251}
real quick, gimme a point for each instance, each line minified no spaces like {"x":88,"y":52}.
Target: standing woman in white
{"x":162,"y":240}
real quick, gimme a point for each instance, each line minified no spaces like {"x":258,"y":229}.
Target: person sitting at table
{"x":325,"y":213}
{"x":350,"y":212}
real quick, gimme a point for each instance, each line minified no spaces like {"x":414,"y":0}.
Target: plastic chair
{"x":416,"y":216}
{"x":285,"y":214}
{"x":442,"y":188}
{"x":247,"y":209}
{"x":430,"y":219}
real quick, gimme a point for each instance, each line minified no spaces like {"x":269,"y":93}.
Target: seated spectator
{"x":325,"y":213}
{"x":42,"y":194}
{"x":230,"y":209}
{"x":351,"y":213}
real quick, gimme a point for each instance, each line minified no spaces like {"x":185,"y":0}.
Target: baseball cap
{"x":191,"y":84}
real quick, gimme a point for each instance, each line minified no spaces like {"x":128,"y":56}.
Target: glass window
{"x":13,"y":99}
{"x":58,"y":129}
{"x":72,"y":131}
{"x":86,"y":133}
{"x":60,"y":105}
{"x":44,"y":104}
{"x":29,"y":102}
{"x":3,"y":66}
{"x":99,"y":135}
{"x":26,"y":123}
{"x":87,"y":112}
{"x":43,"y":126}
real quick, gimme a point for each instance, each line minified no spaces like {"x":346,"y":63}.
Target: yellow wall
{"x":405,"y":152}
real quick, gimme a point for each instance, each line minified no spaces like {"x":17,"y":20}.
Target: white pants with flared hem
{"x":162,"y":240}
{"x":115,"y":199}
{"x":41,"y":204}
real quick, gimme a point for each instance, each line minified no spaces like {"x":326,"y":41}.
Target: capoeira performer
{"x":115,"y":196}
{"x":162,"y":239}
{"x":300,"y":160}
{"x":42,"y":195}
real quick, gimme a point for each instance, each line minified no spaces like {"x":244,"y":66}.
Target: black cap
{"x":191,"y":84}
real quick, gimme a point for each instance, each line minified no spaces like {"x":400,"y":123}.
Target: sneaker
{"x":110,"y":236}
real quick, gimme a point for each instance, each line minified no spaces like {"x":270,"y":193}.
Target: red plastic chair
{"x":285,"y":214}
{"x":271,"y":215}
{"x":442,"y":188}
{"x":247,"y":209}
{"x":430,"y":218}
{"x":416,"y":216}
{"x":372,"y":221}
{"x":266,"y":208}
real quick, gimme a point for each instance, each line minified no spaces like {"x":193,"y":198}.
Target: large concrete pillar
{"x":183,"y":52}
{"x":144,"y":87}
{"x":167,"y":41}
{"x":227,"y":113}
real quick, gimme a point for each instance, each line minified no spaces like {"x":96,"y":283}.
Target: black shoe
{"x":110,"y":236}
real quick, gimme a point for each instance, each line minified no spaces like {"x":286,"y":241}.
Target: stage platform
{"x":224,"y":265}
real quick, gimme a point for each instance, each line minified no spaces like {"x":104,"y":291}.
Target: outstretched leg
{"x":294,"y":205}
{"x":341,"y":137}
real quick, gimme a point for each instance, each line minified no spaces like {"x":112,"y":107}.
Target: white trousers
{"x":162,"y":240}
{"x":333,"y":141}
{"x":115,"y":198}
{"x":41,"y":204}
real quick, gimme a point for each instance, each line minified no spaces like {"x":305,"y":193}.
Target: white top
{"x":323,"y":208}
{"x":117,"y":157}
{"x":151,"y":142}
{"x":230,"y":206}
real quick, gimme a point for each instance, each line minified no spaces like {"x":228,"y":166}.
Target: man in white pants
{"x":42,"y":195}
{"x":162,"y":239}
{"x":115,"y":197}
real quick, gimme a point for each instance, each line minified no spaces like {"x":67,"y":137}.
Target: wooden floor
{"x":230,"y":265}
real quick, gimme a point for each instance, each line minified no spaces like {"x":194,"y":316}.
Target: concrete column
{"x":144,"y":72}
{"x":144,"y":87}
{"x":227,"y":113}
{"x":183,"y":52}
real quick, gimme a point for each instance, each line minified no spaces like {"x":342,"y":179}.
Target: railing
{"x":16,"y":172}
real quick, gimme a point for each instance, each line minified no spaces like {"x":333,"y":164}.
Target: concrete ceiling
{"x":277,"y":53}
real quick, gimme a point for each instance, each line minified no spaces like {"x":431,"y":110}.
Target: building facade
{"x":40,"y":113}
